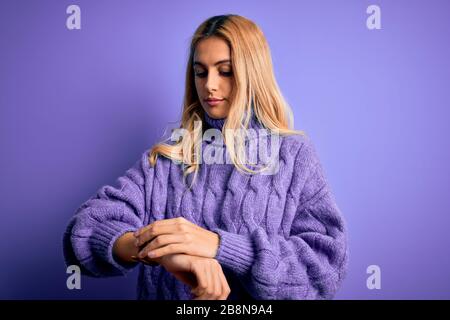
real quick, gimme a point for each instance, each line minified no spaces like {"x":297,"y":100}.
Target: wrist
{"x":125,"y":248}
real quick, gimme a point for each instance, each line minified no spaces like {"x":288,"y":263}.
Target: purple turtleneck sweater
{"x":282,"y":236}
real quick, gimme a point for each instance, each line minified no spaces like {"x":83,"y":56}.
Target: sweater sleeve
{"x":309,"y":260}
{"x":114,"y":210}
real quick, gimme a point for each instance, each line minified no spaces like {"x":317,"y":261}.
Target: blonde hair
{"x":254,"y":87}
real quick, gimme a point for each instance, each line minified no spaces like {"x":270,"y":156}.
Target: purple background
{"x":77,"y":108}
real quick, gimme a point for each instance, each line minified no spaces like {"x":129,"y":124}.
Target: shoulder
{"x":161,"y":163}
{"x":308,"y":178}
{"x":300,"y":149}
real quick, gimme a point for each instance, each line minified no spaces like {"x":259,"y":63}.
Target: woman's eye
{"x":201,"y":74}
{"x":226,"y":73}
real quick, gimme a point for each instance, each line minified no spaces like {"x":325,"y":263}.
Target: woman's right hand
{"x":204,"y":275}
{"x":212,"y":283}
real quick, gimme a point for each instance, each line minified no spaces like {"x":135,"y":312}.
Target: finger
{"x":201,"y":292}
{"x":144,"y":261}
{"x":202,"y":281}
{"x":225,"y":287}
{"x":161,"y":241}
{"x":172,"y":221}
{"x":161,"y":223}
{"x":140,"y":231}
{"x":208,"y":294}
{"x":217,"y":283}
{"x":166,"y":250}
{"x":155,"y":231}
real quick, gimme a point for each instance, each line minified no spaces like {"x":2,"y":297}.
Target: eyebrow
{"x":217,"y":63}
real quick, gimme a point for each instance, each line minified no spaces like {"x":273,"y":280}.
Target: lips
{"x":213,"y":101}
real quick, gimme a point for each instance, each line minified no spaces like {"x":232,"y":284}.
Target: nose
{"x":212,"y":82}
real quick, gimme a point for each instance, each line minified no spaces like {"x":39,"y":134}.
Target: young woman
{"x":220,"y":229}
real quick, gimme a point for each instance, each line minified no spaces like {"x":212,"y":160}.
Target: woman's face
{"x":213,"y":76}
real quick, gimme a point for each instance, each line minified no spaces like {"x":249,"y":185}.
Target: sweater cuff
{"x":235,"y":251}
{"x":107,"y":235}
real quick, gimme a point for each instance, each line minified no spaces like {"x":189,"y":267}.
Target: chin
{"x":214,"y":113}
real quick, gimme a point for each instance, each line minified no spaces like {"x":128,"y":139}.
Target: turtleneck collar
{"x":219,"y":123}
{"x":214,"y":123}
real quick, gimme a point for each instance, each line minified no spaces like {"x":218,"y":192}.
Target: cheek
{"x":198,"y":86}
{"x":228,"y":86}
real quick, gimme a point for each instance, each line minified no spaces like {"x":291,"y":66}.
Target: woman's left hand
{"x":177,"y":235}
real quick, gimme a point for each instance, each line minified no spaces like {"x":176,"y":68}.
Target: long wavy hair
{"x":255,"y":92}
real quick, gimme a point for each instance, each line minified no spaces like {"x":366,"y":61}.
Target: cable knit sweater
{"x":282,"y":236}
